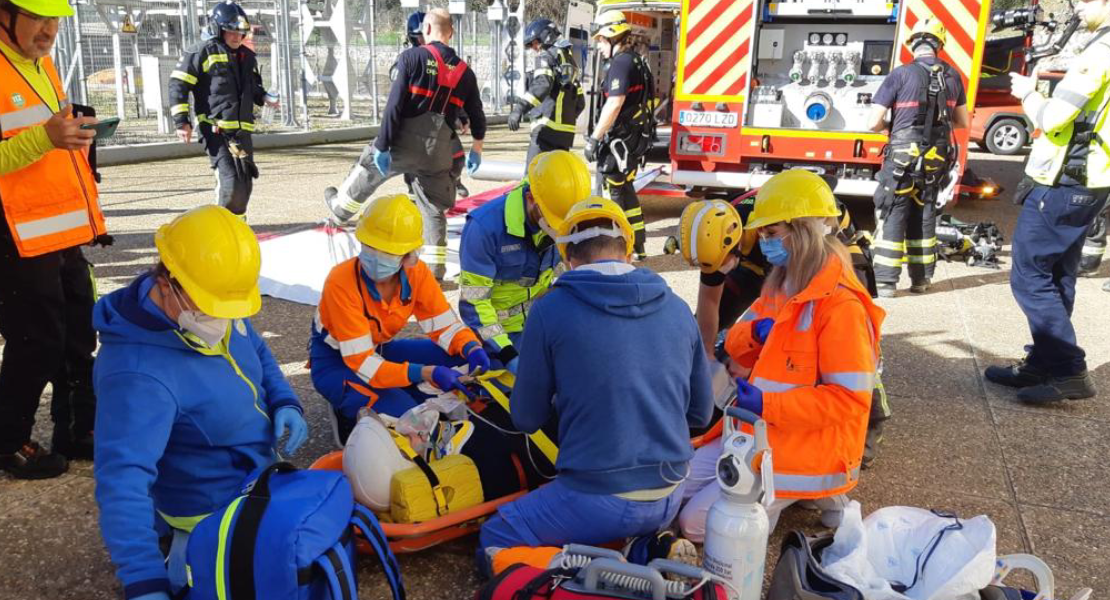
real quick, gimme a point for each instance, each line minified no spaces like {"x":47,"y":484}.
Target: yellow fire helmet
{"x":215,"y":257}
{"x":391,"y":224}
{"x":929,"y":26}
{"x":792,"y":195}
{"x":708,"y":231}
{"x":610,"y":24}
{"x":45,"y":8}
{"x":558,"y":180}
{"x":588,"y":210}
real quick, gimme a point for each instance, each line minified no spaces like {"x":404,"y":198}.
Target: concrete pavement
{"x":956,"y":442}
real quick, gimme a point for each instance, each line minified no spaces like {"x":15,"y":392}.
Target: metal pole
{"x":304,"y":64}
{"x":373,"y":63}
{"x":191,"y":29}
{"x":81,"y":89}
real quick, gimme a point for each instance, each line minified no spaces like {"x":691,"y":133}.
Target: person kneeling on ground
{"x":191,"y":400}
{"x":354,"y":358}
{"x":805,"y":352}
{"x":590,"y":357}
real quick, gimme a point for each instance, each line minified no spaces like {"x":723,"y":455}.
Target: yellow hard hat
{"x":558,"y":179}
{"x":610,"y":24}
{"x":708,"y":231}
{"x":391,"y":224}
{"x":45,"y":8}
{"x":929,"y":26}
{"x":792,"y":195}
{"x":215,"y":257}
{"x":594,"y":207}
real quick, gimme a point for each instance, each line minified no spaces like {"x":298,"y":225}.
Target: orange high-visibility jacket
{"x":50,"y":204}
{"x":816,"y":371}
{"x":353,"y":320}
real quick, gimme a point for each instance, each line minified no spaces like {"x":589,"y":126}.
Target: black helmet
{"x":799,"y":575}
{"x":414,"y":28}
{"x":543,"y":30}
{"x":229,"y":16}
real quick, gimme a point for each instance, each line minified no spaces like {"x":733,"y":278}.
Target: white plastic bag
{"x":894,"y":545}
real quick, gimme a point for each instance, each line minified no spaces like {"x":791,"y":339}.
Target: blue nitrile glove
{"x":153,"y":596}
{"x":512,"y":364}
{"x":748,"y":396}
{"x":473,"y":161}
{"x":762,"y":328}
{"x":477,"y":360}
{"x":447,"y":379}
{"x":382,"y":160}
{"x":288,"y":418}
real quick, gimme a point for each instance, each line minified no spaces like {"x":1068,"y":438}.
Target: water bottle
{"x":268,"y":109}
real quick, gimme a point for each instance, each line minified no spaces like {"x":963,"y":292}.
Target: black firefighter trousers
{"x":234,"y":183}
{"x":907,"y":232}
{"x":46,"y":305}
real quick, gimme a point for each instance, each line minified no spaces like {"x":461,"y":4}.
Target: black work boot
{"x":1018,"y":375}
{"x":920,"y":286}
{"x":33,"y":462}
{"x":460,"y":189}
{"x":886,"y":290}
{"x":1054,"y":389}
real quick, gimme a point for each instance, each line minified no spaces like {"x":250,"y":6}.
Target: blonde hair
{"x":810,"y":248}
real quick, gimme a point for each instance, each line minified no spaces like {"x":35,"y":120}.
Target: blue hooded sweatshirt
{"x":179,"y":426}
{"x":617,"y":356}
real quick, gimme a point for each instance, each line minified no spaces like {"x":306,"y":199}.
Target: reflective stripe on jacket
{"x":353,"y":320}
{"x":504,"y":268}
{"x":52,"y":203}
{"x":1081,"y":96}
{"x":816,"y":371}
{"x":555,"y":103}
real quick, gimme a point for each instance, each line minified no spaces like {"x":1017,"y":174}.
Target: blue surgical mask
{"x":379,"y":266}
{"x":774,"y":250}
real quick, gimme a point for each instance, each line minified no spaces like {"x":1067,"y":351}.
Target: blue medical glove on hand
{"x":512,"y":364}
{"x":383,"y":160}
{"x":473,"y":161}
{"x":288,"y":418}
{"x":477,"y":360}
{"x":153,"y":596}
{"x":447,"y":379}
{"x":748,"y":396}
{"x":762,"y":328}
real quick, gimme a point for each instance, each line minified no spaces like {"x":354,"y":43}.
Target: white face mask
{"x":210,"y":330}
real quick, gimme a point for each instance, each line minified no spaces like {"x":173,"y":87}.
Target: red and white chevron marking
{"x":717,"y":43}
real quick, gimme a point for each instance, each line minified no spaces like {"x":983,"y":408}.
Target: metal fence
{"x":116,"y":56}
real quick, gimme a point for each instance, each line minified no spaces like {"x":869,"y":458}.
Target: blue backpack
{"x":288,"y":537}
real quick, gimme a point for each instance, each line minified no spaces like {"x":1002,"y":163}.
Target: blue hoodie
{"x":178,"y":428}
{"x":617,"y":356}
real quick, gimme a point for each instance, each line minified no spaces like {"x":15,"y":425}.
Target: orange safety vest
{"x":51,"y":204}
{"x":817,"y":372}
{"x":354,"y":320}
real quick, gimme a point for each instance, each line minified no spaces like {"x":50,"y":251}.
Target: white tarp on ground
{"x":296,"y":263}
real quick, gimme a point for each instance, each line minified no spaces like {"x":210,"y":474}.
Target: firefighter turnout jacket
{"x":1073,"y":147}
{"x":555,"y":95}
{"x":353,"y":320}
{"x":420,"y":89}
{"x":506,"y":264}
{"x":816,"y":370}
{"x":49,"y":195}
{"x":225,"y":83}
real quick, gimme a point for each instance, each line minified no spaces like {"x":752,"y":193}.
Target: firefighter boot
{"x":1054,"y":389}
{"x":1018,"y":375}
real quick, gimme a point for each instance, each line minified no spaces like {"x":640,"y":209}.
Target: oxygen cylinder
{"x":737,"y":528}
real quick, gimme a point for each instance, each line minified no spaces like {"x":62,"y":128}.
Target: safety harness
{"x":632,"y":138}
{"x":447,"y":79}
{"x":921,"y":152}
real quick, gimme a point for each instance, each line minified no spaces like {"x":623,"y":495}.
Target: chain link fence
{"x":117,"y":57}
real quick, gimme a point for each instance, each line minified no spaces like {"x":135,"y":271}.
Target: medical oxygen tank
{"x":737,"y":528}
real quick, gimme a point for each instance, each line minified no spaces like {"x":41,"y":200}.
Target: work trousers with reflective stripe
{"x":907,"y":234}
{"x":1047,"y":246}
{"x":545,"y":139}
{"x":1094,"y":246}
{"x":234,"y":182}
{"x":46,"y":307}
{"x":620,"y":188}
{"x":346,"y":391}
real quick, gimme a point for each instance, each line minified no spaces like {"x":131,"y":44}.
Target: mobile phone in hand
{"x":105,"y":128}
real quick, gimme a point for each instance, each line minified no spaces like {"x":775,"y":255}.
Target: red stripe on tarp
{"x":466,"y":205}
{"x":710,"y":51}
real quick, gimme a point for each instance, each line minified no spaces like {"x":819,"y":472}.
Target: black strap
{"x":245,"y":533}
{"x":306,"y":575}
{"x":373,"y":532}
{"x":339,"y":566}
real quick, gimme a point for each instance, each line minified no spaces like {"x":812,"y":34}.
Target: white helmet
{"x":370,"y":460}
